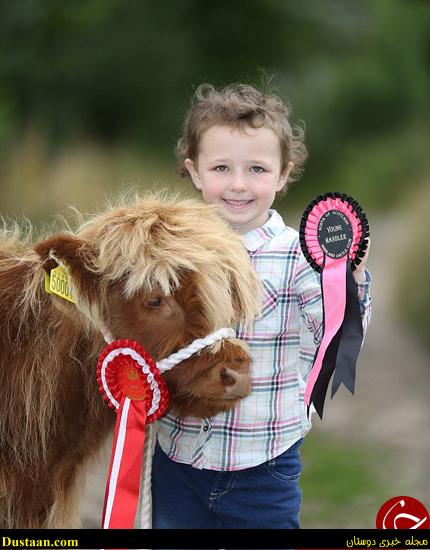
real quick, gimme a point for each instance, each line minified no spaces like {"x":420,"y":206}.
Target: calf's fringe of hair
{"x":153,"y":242}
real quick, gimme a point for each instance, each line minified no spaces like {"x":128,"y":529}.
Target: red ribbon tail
{"x":122,"y":488}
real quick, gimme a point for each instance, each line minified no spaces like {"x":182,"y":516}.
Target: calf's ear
{"x":77,"y":256}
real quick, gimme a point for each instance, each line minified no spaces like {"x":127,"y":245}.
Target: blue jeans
{"x":267,"y":496}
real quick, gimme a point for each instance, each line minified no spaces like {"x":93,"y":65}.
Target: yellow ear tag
{"x":57,"y":282}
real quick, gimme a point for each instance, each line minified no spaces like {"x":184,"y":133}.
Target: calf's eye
{"x":155,"y":302}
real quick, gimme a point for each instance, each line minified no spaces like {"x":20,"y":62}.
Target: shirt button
{"x":205,"y":428}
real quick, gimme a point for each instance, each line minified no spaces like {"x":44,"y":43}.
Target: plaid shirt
{"x":283,"y":343}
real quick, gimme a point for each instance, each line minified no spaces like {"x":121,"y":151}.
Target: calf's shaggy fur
{"x":162,"y":272}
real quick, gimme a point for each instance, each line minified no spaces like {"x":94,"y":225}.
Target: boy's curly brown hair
{"x":240,"y":106}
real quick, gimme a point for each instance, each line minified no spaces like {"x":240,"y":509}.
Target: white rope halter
{"x":145,"y":518}
{"x":198,"y":344}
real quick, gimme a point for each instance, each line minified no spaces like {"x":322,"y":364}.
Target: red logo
{"x":402,"y":513}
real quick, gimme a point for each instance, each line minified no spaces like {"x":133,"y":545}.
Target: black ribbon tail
{"x":327,"y":368}
{"x":351,"y":338}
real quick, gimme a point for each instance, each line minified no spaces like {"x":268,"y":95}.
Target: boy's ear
{"x":77,"y":256}
{"x":190,"y":166}
{"x":283,"y":179}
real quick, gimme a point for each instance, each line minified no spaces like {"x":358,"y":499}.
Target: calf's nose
{"x":237,"y":384}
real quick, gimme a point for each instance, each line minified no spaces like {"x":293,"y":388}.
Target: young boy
{"x":241,"y":469}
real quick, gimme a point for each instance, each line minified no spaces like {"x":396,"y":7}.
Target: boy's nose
{"x":238,"y":183}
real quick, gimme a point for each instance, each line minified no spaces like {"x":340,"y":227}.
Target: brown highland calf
{"x":162,"y":272}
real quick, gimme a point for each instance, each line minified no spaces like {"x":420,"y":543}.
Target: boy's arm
{"x":363,"y":281}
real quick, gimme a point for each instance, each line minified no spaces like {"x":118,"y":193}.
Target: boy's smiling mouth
{"x":237,"y":203}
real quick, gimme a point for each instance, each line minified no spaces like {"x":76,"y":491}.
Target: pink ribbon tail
{"x":334,"y":302}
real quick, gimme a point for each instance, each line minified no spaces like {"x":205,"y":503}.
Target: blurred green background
{"x":92,"y":99}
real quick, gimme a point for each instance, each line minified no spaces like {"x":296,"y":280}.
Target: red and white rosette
{"x":333,"y":234}
{"x":131,"y":384}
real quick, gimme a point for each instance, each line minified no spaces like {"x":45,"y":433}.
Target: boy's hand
{"x":359,"y":273}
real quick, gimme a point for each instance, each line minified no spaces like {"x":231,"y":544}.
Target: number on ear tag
{"x":57,"y":282}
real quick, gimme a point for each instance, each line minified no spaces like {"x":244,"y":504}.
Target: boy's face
{"x":240,"y":172}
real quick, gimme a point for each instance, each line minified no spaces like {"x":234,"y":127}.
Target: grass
{"x":342,"y":484}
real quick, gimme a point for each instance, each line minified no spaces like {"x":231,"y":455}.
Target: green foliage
{"x":124,"y":69}
{"x":367,"y":109}
{"x":122,"y":73}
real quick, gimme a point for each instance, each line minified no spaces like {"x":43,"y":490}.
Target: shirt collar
{"x":255,"y":238}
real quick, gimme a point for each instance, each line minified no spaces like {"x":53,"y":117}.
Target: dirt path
{"x":391,"y":408}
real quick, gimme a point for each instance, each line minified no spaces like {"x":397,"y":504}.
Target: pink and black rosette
{"x":333,"y":234}
{"x":130,"y":383}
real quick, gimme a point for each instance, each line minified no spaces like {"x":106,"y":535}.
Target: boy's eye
{"x":221,"y":168}
{"x":257,"y":169}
